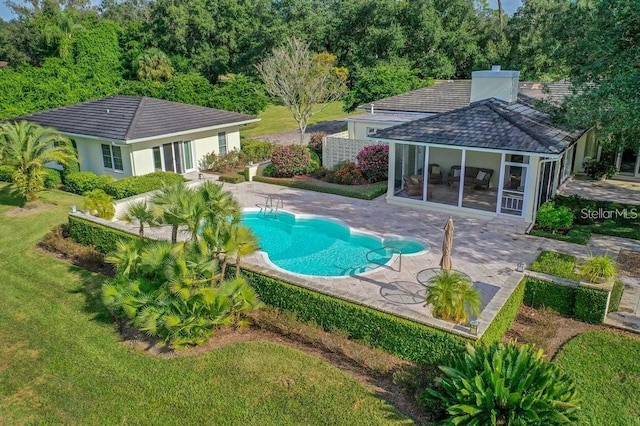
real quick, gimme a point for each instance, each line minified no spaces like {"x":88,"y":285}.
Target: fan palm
{"x":173,"y":205}
{"x":242,"y":242}
{"x":142,"y":213}
{"x":126,"y":257}
{"x":220,"y":204}
{"x":243,"y":299}
{"x":451,"y":295}
{"x":153,"y":65}
{"x":29,"y":146}
{"x":99,"y":203}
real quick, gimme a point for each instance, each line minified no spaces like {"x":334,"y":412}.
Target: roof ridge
{"x":135,"y":118}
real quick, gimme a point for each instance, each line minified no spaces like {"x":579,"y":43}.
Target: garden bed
{"x":557,"y":264}
{"x":365,"y":192}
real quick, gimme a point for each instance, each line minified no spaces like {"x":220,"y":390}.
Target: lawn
{"x":554,"y":263}
{"x":276,"y":119}
{"x":61,"y":360}
{"x":607,"y":372}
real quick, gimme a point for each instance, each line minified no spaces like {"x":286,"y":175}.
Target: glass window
{"x":157,"y":158}
{"x":117,"y":158}
{"x":371,"y":131}
{"x":222,"y":143}
{"x":106,"y":156}
{"x":514,"y":158}
{"x":188,"y":155}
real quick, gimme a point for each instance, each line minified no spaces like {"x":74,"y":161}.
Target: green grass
{"x":365,"y":192}
{"x":606,"y":368}
{"x":276,"y":119}
{"x":61,"y":360}
{"x":557,"y":264}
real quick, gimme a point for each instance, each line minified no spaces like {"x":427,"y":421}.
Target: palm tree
{"x":126,"y":258}
{"x":154,"y":65}
{"x":220,"y":204}
{"x":451,"y":294}
{"x":62,"y":32}
{"x":142,"y":213}
{"x":29,"y":146}
{"x":243,"y":242}
{"x":173,"y":204}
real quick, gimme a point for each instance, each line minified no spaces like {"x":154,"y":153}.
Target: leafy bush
{"x":269,"y":171}
{"x":315,"y":162}
{"x":407,"y":339}
{"x":616,"y":296}
{"x":554,"y":263}
{"x":505,"y":385}
{"x":102,"y":237}
{"x":290,"y":160}
{"x":99,"y":203}
{"x":215,"y":163}
{"x":315,"y":142}
{"x":599,"y":268}
{"x":373,"y":160}
{"x":6,"y":173}
{"x":554,"y":218}
{"x":232,"y":178}
{"x":364,"y":192}
{"x":451,"y":295}
{"x":505,"y":317}
{"x":52,"y":178}
{"x":257,"y":150}
{"x":240,"y":94}
{"x":81,"y":182}
{"x":135,"y":185}
{"x":598,"y":169}
{"x":346,"y":173}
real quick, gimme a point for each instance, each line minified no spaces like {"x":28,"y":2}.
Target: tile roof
{"x":127,"y":118}
{"x":489,"y":123}
{"x":446,"y":96}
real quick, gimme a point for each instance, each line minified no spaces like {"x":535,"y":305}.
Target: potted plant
{"x":452,"y":296}
{"x":599,"y":269}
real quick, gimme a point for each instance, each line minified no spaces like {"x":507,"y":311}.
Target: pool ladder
{"x":395,"y":250}
{"x":271,"y":205}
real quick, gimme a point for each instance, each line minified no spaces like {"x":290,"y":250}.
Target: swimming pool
{"x":321,"y":246}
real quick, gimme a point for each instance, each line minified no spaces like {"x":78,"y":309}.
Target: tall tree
{"x":305,"y":82}
{"x":28,"y":147}
{"x":153,"y":65}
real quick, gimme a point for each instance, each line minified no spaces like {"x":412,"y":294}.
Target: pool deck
{"x":487,"y":250}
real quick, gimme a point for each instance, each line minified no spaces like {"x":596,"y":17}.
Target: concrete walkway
{"x":619,"y":191}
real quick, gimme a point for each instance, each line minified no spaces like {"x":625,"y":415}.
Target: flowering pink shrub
{"x":290,"y":160}
{"x":315,"y":142}
{"x":374,"y":162}
{"x":346,"y":173}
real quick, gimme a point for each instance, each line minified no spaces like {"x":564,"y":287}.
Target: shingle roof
{"x":446,"y":96}
{"x":126,"y":118}
{"x":490,"y":123}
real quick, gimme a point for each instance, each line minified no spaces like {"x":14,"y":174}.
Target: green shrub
{"x":290,"y":160}
{"x":538,"y":293}
{"x":213,"y":162}
{"x":315,"y":143}
{"x":364,"y":192}
{"x":554,"y":263}
{"x":269,"y":171}
{"x":554,"y":218}
{"x":6,"y":173}
{"x":576,"y":235}
{"x":505,"y":385}
{"x":407,"y":339}
{"x":90,"y":233}
{"x":346,"y":173}
{"x":315,"y":162}
{"x":232,"y":178}
{"x":99,"y":203}
{"x":52,"y":178}
{"x":452,"y":296}
{"x":598,"y":169}
{"x":591,"y":305}
{"x":599,"y":269}
{"x":616,"y":296}
{"x":257,"y":150}
{"x":505,"y":317}
{"x":81,"y":182}
{"x":135,"y":185}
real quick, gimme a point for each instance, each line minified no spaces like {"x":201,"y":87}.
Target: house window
{"x":188,"y":155}
{"x":157,"y":159}
{"x":371,"y":131}
{"x":112,"y":157}
{"x":222,"y":143}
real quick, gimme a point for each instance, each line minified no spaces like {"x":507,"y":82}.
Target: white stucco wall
{"x":90,"y":157}
{"x":585,"y":147}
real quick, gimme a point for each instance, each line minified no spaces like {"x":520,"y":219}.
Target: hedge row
{"x":90,"y":233}
{"x":81,"y":182}
{"x":364,"y":192}
{"x":616,"y":296}
{"x":582,"y":303}
{"x":52,"y":177}
{"x":407,"y":339}
{"x":505,"y":316}
{"x":232,"y":177}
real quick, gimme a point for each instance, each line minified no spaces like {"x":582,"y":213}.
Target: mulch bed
{"x":629,"y":263}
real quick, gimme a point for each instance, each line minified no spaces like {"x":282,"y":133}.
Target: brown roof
{"x":490,"y":123}
{"x":446,"y":96}
{"x":127,"y":118}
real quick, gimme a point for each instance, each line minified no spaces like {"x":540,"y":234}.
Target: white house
{"x":477,"y":147}
{"x":131,"y":136}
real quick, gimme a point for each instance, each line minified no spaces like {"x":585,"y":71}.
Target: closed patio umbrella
{"x":447,"y":245}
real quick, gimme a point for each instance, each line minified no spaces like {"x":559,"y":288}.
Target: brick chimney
{"x":495,"y":83}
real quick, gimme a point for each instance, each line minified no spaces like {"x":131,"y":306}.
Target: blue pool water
{"x":319,"y":246}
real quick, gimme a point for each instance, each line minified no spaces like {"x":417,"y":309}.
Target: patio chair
{"x":435,"y":173}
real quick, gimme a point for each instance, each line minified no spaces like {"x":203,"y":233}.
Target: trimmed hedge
{"x":616,"y":296}
{"x":232,"y":178}
{"x":6,"y":173}
{"x":503,"y":320}
{"x":81,"y":182}
{"x":52,"y":178}
{"x":407,"y":339}
{"x":91,"y":233}
{"x":582,"y":303}
{"x":364,"y":192}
